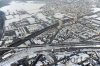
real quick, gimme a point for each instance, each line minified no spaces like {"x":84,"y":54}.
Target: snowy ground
{"x":24,"y":53}
{"x":95,"y":9}
{"x":30,"y":7}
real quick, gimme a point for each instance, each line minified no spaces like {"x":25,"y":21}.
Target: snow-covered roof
{"x":59,"y":15}
{"x":38,"y":41}
{"x":98,"y":18}
{"x":95,"y":9}
{"x":79,"y":58}
{"x":41,"y":16}
{"x":34,"y":27}
{"x":31,"y":20}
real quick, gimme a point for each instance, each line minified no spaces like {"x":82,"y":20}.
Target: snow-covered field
{"x":11,"y":10}
{"x":29,"y":6}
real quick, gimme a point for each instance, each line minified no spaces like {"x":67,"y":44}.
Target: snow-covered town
{"x":49,"y":33}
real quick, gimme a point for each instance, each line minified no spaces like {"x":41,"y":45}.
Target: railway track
{"x":32,"y":50}
{"x":34,"y":34}
{"x":72,"y":45}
